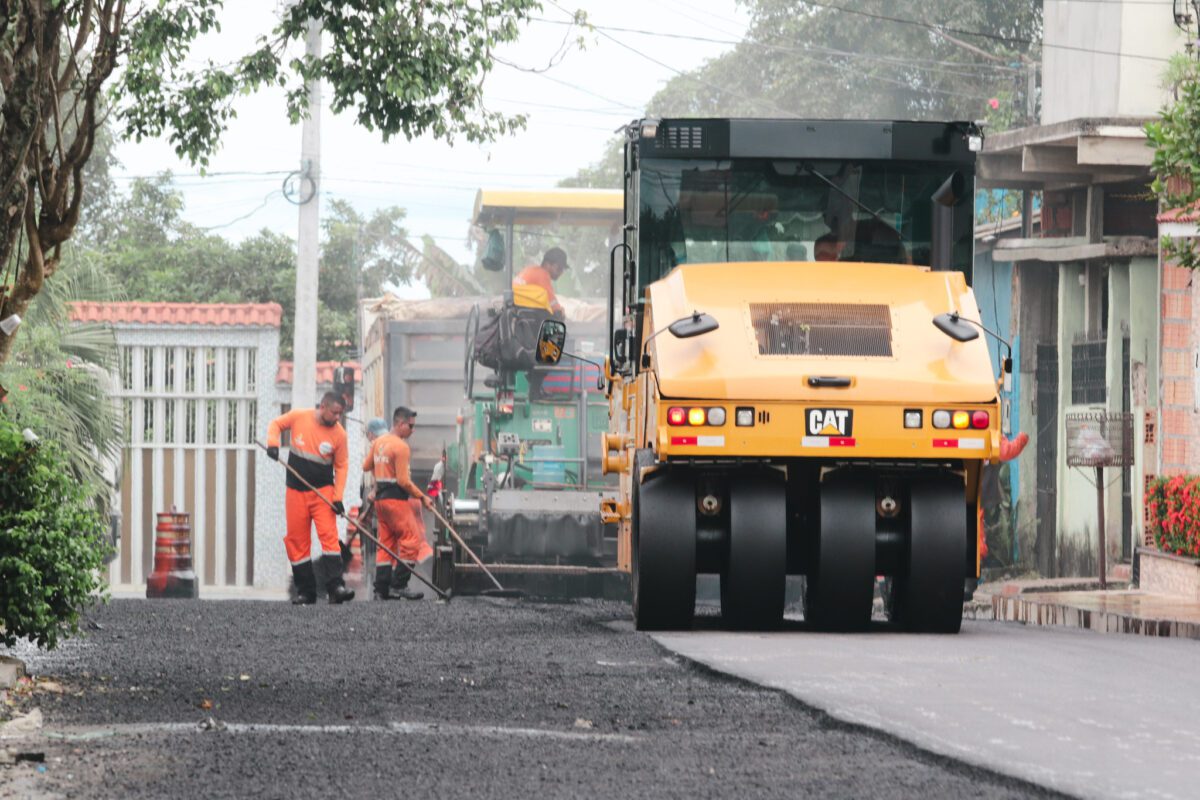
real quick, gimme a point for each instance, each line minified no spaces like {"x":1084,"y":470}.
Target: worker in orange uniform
{"x":554,"y":264}
{"x":318,"y":453}
{"x":990,"y":492}
{"x":401,"y":528}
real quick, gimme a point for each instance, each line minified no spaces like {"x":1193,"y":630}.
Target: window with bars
{"x":1089,"y":380}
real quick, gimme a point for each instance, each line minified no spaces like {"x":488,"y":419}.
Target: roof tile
{"x":243,"y":315}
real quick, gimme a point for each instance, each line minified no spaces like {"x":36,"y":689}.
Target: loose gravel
{"x":479,"y":698}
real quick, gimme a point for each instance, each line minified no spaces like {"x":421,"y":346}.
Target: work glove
{"x":273,"y":452}
{"x":338,"y":508}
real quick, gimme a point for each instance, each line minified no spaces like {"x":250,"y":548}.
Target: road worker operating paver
{"x":401,"y":528}
{"x":319,"y":454}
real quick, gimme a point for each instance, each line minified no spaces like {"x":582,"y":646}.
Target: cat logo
{"x":830,"y":422}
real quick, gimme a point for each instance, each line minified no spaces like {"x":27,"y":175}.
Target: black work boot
{"x":335,"y":586}
{"x":383,"y":581}
{"x":306,"y":584}
{"x":400,"y":585}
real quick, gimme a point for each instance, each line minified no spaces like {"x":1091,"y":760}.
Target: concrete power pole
{"x":304,"y":338}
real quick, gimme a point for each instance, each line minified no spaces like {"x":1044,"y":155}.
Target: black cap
{"x":556,"y":255}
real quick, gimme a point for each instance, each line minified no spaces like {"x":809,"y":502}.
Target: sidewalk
{"x":1079,"y":603}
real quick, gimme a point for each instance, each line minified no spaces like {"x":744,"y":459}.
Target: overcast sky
{"x":573,"y":110}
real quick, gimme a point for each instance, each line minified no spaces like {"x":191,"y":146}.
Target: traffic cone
{"x":173,"y":575}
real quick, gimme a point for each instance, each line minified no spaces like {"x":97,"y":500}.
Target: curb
{"x":1030,"y":610}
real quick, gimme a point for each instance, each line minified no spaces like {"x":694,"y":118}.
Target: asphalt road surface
{"x":1091,"y":714}
{"x":479,"y":698}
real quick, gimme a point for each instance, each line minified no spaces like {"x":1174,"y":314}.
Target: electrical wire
{"x":688,"y":76}
{"x":247,"y":215}
{"x":952,"y":67}
{"x":981,"y":34}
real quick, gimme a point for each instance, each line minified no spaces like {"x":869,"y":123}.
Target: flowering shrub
{"x":1173,"y":514}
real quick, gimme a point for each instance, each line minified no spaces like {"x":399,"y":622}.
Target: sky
{"x":573,"y":109}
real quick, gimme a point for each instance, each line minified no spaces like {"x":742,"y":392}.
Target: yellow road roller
{"x":798,"y":378}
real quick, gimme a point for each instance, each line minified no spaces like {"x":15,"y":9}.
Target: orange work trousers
{"x":402,"y":531}
{"x":304,"y":509}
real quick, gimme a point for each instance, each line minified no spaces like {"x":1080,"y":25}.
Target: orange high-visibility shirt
{"x":318,"y":452}
{"x":536,"y":275}
{"x":388,"y":459}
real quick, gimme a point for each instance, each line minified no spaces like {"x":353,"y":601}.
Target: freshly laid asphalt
{"x":480,"y":698}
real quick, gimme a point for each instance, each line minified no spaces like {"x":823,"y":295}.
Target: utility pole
{"x":304,"y":336}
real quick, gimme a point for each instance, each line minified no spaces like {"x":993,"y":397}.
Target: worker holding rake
{"x":318,"y":463}
{"x":401,"y":528}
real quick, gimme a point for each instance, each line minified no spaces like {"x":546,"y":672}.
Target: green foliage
{"x":52,"y":542}
{"x":1175,"y":137}
{"x":155,"y":255}
{"x":412,"y":67}
{"x":818,"y":61}
{"x":59,"y":380}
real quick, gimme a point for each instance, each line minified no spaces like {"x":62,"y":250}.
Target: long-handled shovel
{"x":443,"y":595}
{"x":499,"y":591}
{"x":347,"y":553}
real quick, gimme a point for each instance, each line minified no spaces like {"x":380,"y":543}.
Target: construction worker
{"x":554,"y":264}
{"x":318,"y":453}
{"x":366,"y":516}
{"x":401,"y":528}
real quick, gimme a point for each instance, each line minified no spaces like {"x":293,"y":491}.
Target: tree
{"x":1175,"y":137}
{"x":406,"y":67}
{"x":873,"y":59}
{"x":60,"y":374}
{"x":154,"y":254}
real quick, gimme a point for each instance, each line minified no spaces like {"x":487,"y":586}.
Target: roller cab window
{"x":742,"y":210}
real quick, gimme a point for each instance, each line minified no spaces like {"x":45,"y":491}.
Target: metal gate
{"x":191,"y":414}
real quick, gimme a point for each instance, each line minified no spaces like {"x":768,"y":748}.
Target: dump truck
{"x":796,"y":376}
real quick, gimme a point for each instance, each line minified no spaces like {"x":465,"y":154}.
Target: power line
{"x":247,"y":215}
{"x":666,"y":66}
{"x":917,"y":63}
{"x":981,"y":34}
{"x":173,"y":175}
{"x":585,"y":91}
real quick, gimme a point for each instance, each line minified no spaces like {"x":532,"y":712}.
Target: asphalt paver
{"x":478,"y":698}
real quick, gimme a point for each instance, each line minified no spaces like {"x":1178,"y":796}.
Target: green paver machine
{"x":526,"y":464}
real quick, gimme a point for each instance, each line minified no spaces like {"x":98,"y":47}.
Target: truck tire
{"x":663,"y":522}
{"x":928,"y":597}
{"x":841,"y":578}
{"x":754,"y":577}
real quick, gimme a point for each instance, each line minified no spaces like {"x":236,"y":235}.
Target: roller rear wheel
{"x":755,"y":574}
{"x":664,"y":549}
{"x":928,"y":598}
{"x":841,"y":579}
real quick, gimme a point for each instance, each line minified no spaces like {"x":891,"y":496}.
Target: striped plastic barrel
{"x":173,"y":575}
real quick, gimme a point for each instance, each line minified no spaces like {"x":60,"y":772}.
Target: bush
{"x":1173,"y":514}
{"x":52,"y":542}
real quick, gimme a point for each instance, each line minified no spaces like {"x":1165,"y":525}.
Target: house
{"x":1086,"y":286}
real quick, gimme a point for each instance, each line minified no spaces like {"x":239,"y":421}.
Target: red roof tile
{"x":324,"y":372}
{"x":246,"y":315}
{"x":1190,"y":214}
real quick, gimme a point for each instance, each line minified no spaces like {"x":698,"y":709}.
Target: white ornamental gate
{"x":193,"y":397}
